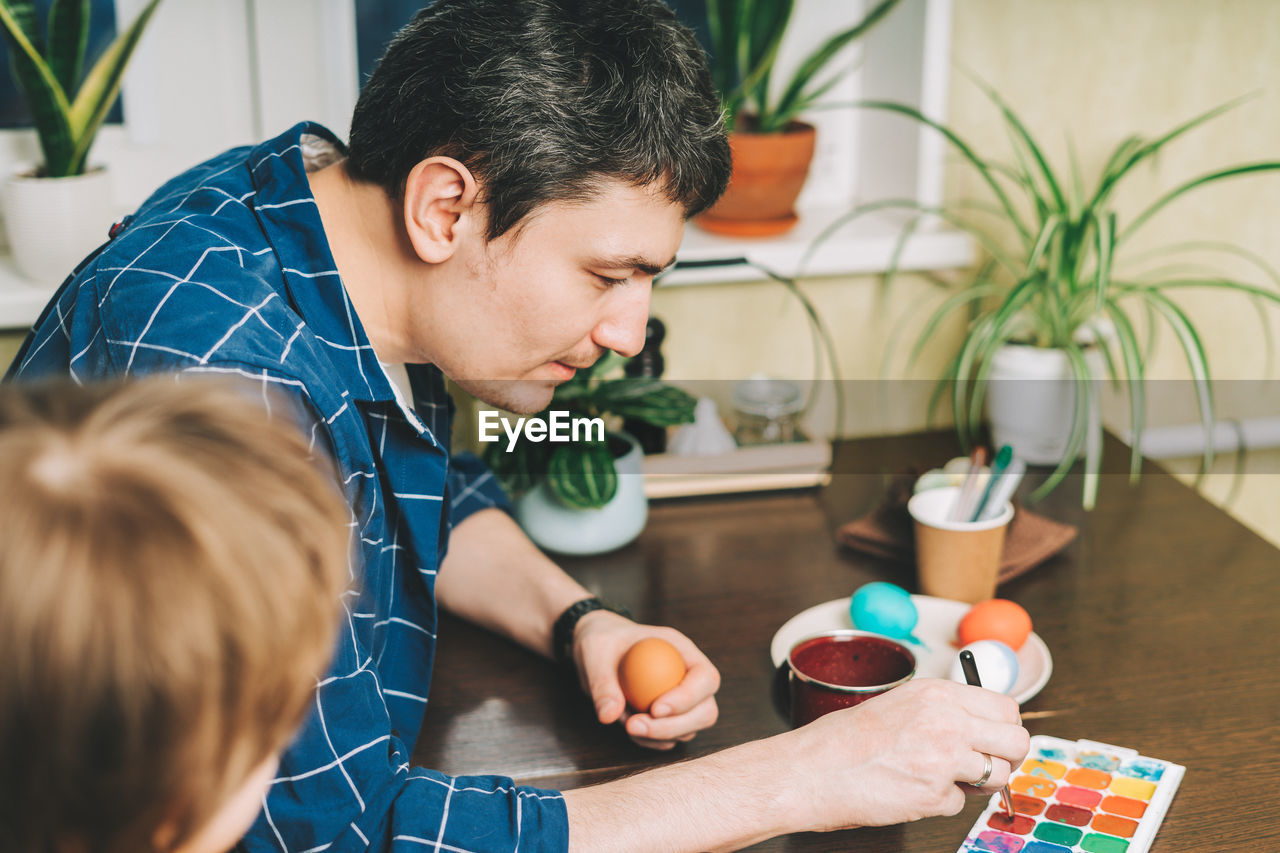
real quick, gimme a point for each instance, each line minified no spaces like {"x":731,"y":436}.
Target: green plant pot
{"x":568,"y":530}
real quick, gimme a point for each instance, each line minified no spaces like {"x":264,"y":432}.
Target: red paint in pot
{"x":843,"y":668}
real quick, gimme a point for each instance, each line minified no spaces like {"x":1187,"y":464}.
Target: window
{"x":376,"y":22}
{"x":258,"y":66}
{"x":102,"y":29}
{"x":861,"y":156}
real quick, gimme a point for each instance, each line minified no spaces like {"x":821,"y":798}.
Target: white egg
{"x":997,"y":665}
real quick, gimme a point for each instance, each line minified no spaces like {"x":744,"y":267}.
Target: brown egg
{"x":649,"y":668}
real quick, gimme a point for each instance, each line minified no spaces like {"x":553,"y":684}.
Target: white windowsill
{"x":863,"y":247}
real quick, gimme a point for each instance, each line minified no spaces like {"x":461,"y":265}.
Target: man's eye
{"x":610,"y":281}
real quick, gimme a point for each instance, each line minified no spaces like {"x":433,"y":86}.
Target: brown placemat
{"x":887,"y":532}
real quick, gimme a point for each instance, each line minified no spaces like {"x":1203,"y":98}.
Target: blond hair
{"x":171,"y":568}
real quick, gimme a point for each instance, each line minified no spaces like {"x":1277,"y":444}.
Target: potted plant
{"x":587,"y":496}
{"x":1066,"y":297}
{"x":772,"y":148}
{"x":58,"y":211}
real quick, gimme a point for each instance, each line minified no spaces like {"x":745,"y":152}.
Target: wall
{"x":1097,"y":71}
{"x":9,"y":343}
{"x":728,"y":332}
{"x":1100,"y":71}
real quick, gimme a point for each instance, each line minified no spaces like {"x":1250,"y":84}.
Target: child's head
{"x":171,"y":565}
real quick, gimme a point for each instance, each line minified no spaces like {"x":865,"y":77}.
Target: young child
{"x":171,"y":567}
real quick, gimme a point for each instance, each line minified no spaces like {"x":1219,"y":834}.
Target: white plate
{"x":936,"y":631}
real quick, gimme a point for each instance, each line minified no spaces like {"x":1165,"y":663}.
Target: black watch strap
{"x":562,"y":631}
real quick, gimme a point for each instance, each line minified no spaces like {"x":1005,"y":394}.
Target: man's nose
{"x":622,"y":329}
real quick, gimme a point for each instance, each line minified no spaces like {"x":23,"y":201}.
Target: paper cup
{"x":959,"y":560}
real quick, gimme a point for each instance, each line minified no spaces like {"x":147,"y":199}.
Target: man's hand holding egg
{"x":650,"y":668}
{"x":671,"y":714}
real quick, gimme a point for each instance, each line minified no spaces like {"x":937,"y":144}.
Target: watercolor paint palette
{"x":1071,"y":796}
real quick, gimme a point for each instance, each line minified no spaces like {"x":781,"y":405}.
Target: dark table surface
{"x":1163,"y":620}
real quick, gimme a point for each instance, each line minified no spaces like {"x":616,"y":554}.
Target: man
{"x":518,"y":173}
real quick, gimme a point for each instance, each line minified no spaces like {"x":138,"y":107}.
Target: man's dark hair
{"x":542,"y":99}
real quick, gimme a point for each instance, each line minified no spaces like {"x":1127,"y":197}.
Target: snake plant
{"x":745,"y":36}
{"x":48,"y":62}
{"x":581,"y":474}
{"x":1063,"y":279}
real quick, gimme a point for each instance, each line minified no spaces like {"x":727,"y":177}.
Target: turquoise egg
{"x":883,"y":608}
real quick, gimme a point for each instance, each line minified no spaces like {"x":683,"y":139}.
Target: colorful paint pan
{"x":1083,"y":797}
{"x":1123,"y":806}
{"x":1045,"y":768}
{"x":1033,"y":785}
{"x":1078,"y":797}
{"x":1029,"y":805}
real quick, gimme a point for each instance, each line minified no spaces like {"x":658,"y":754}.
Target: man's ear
{"x":439,"y":204}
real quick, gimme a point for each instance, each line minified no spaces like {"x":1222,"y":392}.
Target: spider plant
{"x":47,"y":62}
{"x":745,"y":36}
{"x":581,"y":474}
{"x":1061,"y":280}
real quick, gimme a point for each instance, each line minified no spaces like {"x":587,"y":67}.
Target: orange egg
{"x":997,"y":619}
{"x":649,"y":668}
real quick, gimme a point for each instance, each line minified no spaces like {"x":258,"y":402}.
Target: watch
{"x":562,"y":631}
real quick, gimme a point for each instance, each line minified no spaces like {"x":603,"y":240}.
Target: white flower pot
{"x":568,"y":530}
{"x":1031,"y":400}
{"x":52,"y":223}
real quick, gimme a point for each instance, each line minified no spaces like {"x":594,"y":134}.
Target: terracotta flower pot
{"x":769,"y":170}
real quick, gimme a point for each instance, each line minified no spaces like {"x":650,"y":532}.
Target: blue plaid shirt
{"x":226,"y":270}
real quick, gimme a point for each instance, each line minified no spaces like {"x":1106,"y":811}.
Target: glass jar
{"x":766,"y":410}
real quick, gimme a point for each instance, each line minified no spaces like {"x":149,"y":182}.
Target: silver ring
{"x":986,"y":772}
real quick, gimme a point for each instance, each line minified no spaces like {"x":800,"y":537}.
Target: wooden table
{"x":1162,"y":619}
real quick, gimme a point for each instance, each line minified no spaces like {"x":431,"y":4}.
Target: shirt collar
{"x":291,"y":221}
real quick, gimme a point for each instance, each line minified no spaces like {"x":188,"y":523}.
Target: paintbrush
{"x":997,"y":470}
{"x":969,"y":488}
{"x":970,"y":667}
{"x":1003,"y":490}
